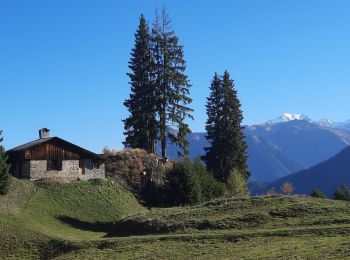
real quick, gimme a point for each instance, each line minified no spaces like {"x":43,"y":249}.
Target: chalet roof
{"x":30,"y":144}
{"x":55,"y":140}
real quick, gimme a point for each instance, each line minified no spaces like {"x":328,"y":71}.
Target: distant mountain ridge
{"x":326,"y":176}
{"x":298,"y":141}
{"x":286,"y":117}
{"x":278,"y":149}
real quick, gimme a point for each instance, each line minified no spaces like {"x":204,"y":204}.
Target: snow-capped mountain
{"x":286,"y":117}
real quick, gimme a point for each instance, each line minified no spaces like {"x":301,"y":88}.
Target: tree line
{"x":159,"y":107}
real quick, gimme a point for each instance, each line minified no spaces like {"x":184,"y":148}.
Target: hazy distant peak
{"x":325,"y":122}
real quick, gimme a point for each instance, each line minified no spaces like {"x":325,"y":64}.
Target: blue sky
{"x":63,"y":63}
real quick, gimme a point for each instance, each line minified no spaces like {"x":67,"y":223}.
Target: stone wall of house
{"x":70,"y":171}
{"x":37,"y":170}
{"x":93,"y":173}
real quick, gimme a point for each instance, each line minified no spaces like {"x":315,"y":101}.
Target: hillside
{"x":326,"y":176}
{"x":100,"y":220}
{"x":31,"y":214}
{"x":277,"y":150}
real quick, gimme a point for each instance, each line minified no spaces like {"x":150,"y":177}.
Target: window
{"x":54,"y":165}
{"x":88,"y":164}
{"x":96,"y":165}
{"x":82,"y":166}
{"x":81,"y":163}
{"x":27,"y":155}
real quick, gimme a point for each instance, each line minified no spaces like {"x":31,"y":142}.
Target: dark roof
{"x":30,"y":144}
{"x":34,"y":143}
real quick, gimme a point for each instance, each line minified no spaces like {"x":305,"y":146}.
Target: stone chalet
{"x":53,"y":158}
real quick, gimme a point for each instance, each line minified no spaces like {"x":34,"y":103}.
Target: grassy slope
{"x":30,"y":214}
{"x":262,"y":227}
{"x":95,"y":226}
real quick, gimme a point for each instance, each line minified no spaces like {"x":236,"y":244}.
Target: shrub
{"x":342,"y":193}
{"x":97,"y":182}
{"x":272,"y":192}
{"x":210,"y":187}
{"x":128,"y":165}
{"x":190,"y":183}
{"x":316,"y":193}
{"x":181,"y":185}
{"x":236,"y":184}
{"x":287,"y":188}
{"x":151,"y":192}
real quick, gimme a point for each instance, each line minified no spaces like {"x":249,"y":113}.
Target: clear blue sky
{"x":63,"y":63}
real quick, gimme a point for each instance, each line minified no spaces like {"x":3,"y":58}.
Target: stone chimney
{"x":44,"y":133}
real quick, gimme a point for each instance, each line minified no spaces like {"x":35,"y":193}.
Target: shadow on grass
{"x":137,"y":226}
{"x":124,"y":227}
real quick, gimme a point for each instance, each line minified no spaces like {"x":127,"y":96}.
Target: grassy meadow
{"x":102,"y":220}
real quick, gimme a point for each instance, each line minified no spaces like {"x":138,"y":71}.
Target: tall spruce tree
{"x":227,"y":151}
{"x":172,"y":86}
{"x":213,"y":107}
{"x":5,"y":177}
{"x":141,"y":126}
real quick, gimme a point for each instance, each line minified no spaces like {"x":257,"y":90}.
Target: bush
{"x":151,"y":192}
{"x":210,"y":187}
{"x":190,"y":183}
{"x":316,"y":193}
{"x":181,"y":185}
{"x":342,"y":193}
{"x":287,"y":188}
{"x":272,"y":192}
{"x":236,"y":184}
{"x":97,"y":182}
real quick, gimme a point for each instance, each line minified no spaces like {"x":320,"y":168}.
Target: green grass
{"x":30,"y":215}
{"x":101,"y":220}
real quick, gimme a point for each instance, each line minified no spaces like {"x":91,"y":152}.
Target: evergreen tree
{"x":225,"y":134}
{"x":213,"y":107}
{"x":141,"y":126}
{"x":172,"y":85}
{"x":342,"y":193}
{"x":5,"y":177}
{"x":190,"y":183}
{"x":316,"y":193}
{"x":182,"y":185}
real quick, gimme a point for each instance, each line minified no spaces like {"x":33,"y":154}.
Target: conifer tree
{"x":5,"y":177}
{"x":213,"y":123}
{"x":141,"y":126}
{"x":227,"y":151}
{"x":172,"y":85}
